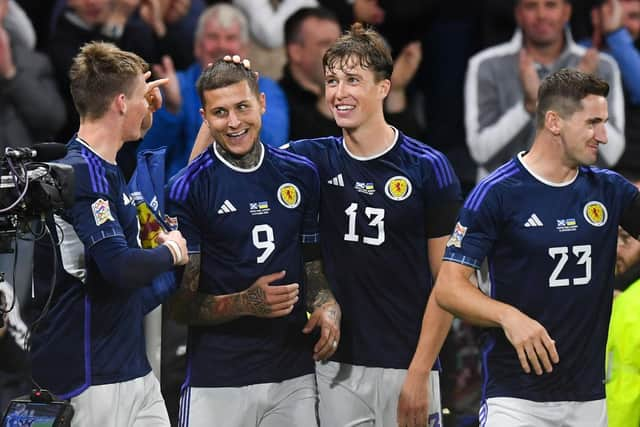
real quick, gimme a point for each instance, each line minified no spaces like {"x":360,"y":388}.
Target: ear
{"x":262,"y":99}
{"x":120,"y":103}
{"x":384,"y":86}
{"x":294,"y":50}
{"x":553,"y":122}
{"x":204,"y":118}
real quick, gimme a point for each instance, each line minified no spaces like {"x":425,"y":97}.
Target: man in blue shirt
{"x":547,"y":223}
{"x":90,"y":347}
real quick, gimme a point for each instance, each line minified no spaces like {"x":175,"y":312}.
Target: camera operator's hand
{"x":176,"y":244}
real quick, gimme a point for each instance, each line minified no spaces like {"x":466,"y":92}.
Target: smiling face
{"x":542,"y":21}
{"x":234,"y":116}
{"x":583,"y":131}
{"x":353,"y":95}
{"x":216,"y":40}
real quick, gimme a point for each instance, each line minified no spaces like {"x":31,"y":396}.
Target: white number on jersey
{"x":377,"y":221}
{"x":266,"y":243}
{"x":582,"y":252}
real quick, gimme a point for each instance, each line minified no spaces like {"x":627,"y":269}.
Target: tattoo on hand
{"x":255,"y":301}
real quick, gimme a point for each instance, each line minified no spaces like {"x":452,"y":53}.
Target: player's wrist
{"x":175,"y":250}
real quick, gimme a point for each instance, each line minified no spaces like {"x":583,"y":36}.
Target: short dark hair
{"x":293,"y":24}
{"x":564,"y":90}
{"x":99,"y":72}
{"x":366,"y":46}
{"x":222,"y":74}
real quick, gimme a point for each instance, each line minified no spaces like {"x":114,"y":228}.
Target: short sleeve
{"x":310,"y":227}
{"x":443,"y":196}
{"x":183,"y":210}
{"x":476,"y":230}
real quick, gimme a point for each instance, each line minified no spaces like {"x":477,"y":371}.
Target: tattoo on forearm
{"x":194,"y":308}
{"x":191,"y":276}
{"x":246,"y":161}
{"x":318,"y":292}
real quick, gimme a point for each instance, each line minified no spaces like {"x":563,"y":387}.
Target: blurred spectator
{"x":17,"y":23}
{"x":222,"y":29}
{"x":502,"y":84}
{"x":87,"y":20}
{"x":350,"y":11}
{"x":266,"y":25}
{"x":31,"y":109}
{"x":616,"y":28}
{"x":623,"y":345}
{"x":308,"y":34}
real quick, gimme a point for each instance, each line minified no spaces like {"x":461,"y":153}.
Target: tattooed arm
{"x":325,"y":311}
{"x":261,"y":299}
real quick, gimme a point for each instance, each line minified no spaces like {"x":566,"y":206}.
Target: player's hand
{"x":327,"y":318}
{"x":530,"y":81}
{"x":413,"y":404}
{"x":263,"y":299}
{"x":172,"y":94}
{"x":183,"y":257}
{"x":531,"y":341}
{"x":152,"y":92}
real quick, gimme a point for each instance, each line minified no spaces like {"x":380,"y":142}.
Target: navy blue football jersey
{"x":246,"y":224}
{"x":375,"y":221}
{"x":93,"y":333}
{"x":551,"y":252}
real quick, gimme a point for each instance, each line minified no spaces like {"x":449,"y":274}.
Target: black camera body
{"x":31,"y":187}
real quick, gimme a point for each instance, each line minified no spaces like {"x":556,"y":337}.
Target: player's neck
{"x":246,"y":161}
{"x":101,"y":139}
{"x":549,"y":164}
{"x":369,"y":139}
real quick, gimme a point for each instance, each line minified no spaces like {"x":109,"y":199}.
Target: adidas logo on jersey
{"x":533,"y":221}
{"x":337,"y":181}
{"x":226,"y":208}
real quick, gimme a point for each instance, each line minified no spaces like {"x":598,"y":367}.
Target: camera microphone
{"x":40,"y":152}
